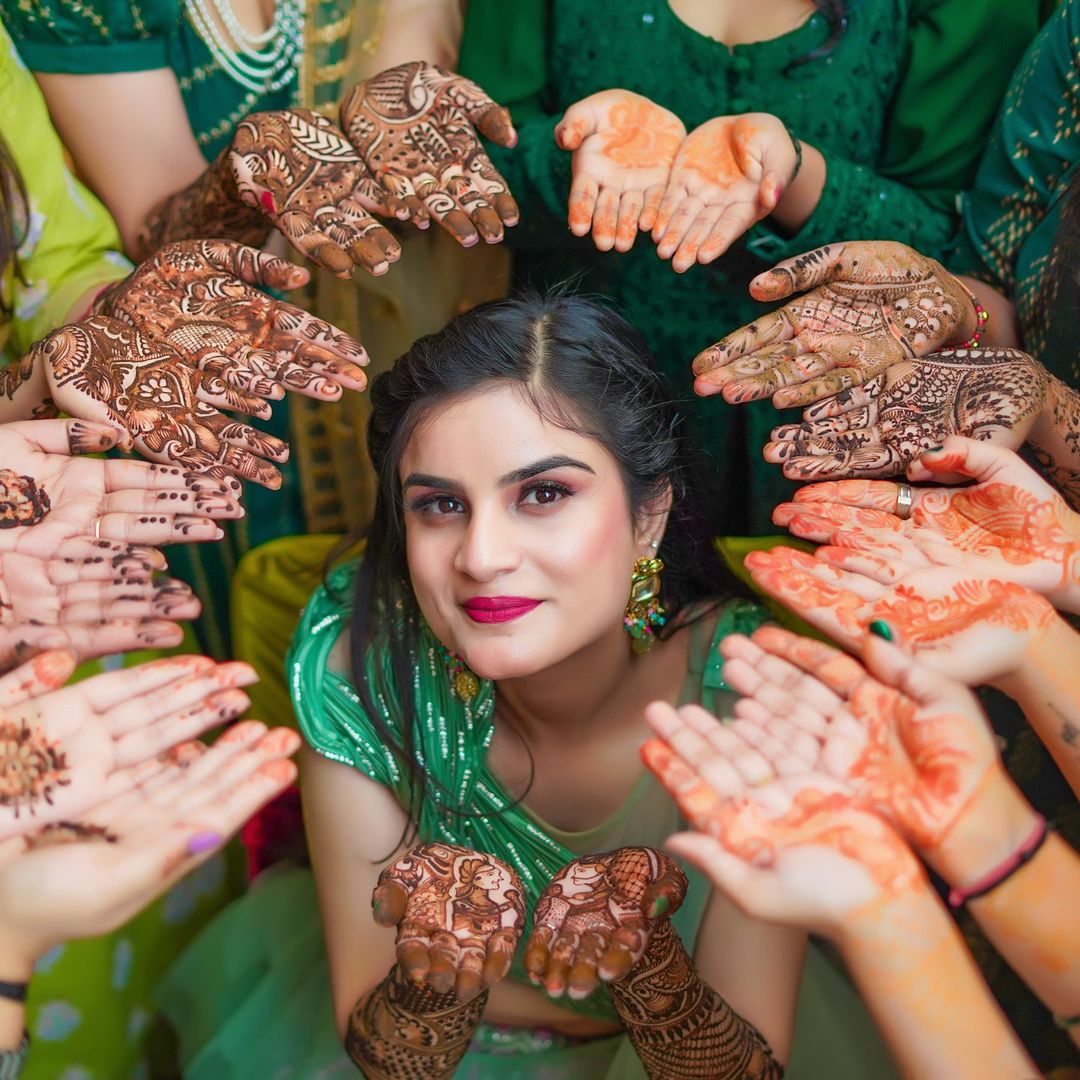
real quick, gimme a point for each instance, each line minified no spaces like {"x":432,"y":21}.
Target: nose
{"x":489,"y":545}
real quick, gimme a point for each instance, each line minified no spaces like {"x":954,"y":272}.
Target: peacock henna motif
{"x":102,"y":369}
{"x":415,"y":126}
{"x":22,"y":500}
{"x":871,"y":304}
{"x":201,"y":298}
{"x":878,"y":429}
{"x":31,"y":768}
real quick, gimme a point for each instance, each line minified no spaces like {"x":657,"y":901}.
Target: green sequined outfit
{"x":97,"y":37}
{"x":900,"y":108}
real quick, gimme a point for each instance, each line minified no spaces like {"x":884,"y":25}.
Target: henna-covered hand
{"x":623,"y":146}
{"x":594,"y":921}
{"x":728,"y":174}
{"x":90,"y":603}
{"x":203,"y":299}
{"x":914,"y":748}
{"x":972,"y":628}
{"x":301,"y":171}
{"x":105,"y":370}
{"x":1008,"y":524}
{"x":879,"y":428}
{"x":88,"y":875}
{"x":458,"y":915}
{"x":114,"y":501}
{"x":415,"y":127}
{"x":867,"y":305}
{"x":65,"y":749}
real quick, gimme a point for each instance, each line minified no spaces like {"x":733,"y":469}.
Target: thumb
{"x":798,"y":274}
{"x":388,"y":903}
{"x":899,"y":669}
{"x":958,"y":455}
{"x":46,"y":672}
{"x":255,"y":267}
{"x":577,"y":124}
{"x":488,"y":117}
{"x":71,"y":436}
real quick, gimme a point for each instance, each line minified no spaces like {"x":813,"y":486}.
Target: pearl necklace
{"x":240,"y":54}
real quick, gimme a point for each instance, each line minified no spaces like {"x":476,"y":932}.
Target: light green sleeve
{"x":71,"y":244}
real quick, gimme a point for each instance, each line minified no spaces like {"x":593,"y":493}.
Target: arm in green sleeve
{"x":1030,"y":158}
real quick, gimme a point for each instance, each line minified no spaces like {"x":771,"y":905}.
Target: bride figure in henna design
{"x":22,"y":502}
{"x":104,"y":370}
{"x":866,"y":305}
{"x":415,"y":127}
{"x":623,"y":146}
{"x":878,"y":429}
{"x":203,"y":298}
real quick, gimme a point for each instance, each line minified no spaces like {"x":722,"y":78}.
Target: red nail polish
{"x":267,"y":201}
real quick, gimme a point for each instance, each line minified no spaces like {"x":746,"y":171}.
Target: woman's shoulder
{"x":710,"y":624}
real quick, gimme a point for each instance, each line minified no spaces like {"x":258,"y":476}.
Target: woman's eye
{"x":437,"y":505}
{"x":545,"y":494}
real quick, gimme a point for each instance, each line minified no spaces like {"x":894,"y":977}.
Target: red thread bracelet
{"x":982,"y":317}
{"x":1001,"y":873}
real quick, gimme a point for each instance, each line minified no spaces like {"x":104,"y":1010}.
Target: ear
{"x":652,"y":522}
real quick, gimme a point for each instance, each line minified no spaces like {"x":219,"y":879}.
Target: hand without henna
{"x":595,"y":919}
{"x":623,"y":146}
{"x":458,"y":913}
{"x":93,"y":508}
{"x":87,"y":876}
{"x":203,"y":298}
{"x":728,"y":174}
{"x":415,"y":127}
{"x":866,"y":305}
{"x":878,"y":429}
{"x":104,"y":370}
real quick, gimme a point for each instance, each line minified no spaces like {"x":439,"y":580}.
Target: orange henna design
{"x":641,"y":135}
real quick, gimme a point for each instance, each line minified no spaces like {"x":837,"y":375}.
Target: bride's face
{"x":519,"y":536}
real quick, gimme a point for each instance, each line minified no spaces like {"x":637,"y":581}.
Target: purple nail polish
{"x":204,"y":841}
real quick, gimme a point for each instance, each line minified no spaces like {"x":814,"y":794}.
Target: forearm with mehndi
{"x":208,"y":207}
{"x":1055,"y":439}
{"x":404,"y":1030}
{"x":681,"y":1028}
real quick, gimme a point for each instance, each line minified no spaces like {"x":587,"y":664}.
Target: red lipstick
{"x":498,"y":609}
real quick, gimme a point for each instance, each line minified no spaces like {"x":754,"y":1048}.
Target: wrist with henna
{"x":406,"y":1029}
{"x":680,"y":1026}
{"x":1055,"y":439}
{"x":209,"y":206}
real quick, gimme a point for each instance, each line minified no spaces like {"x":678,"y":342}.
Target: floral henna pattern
{"x":1055,"y":442}
{"x":105,"y":370}
{"x":201,"y":298}
{"x":870,"y":305}
{"x":305,"y":175}
{"x":22,"y":500}
{"x":458,"y":913}
{"x":31,"y":768}
{"x":988,"y":394}
{"x":595,"y":919}
{"x":415,"y":126}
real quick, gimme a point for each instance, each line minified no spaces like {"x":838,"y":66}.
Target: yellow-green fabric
{"x":71,"y":243}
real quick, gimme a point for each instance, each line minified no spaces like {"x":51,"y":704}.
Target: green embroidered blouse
{"x":900,"y":108}
{"x":451,"y":740}
{"x":1013,"y":213}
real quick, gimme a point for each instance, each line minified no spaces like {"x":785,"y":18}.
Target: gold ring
{"x":905,"y":497}
{"x":97,"y":528}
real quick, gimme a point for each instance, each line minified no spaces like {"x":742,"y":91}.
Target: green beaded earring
{"x":644,"y":610}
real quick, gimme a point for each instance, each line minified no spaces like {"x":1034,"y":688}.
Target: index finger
{"x":45,"y":672}
{"x":770,"y":329}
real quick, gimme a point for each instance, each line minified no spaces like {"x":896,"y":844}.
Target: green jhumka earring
{"x":463,"y":683}
{"x":644,"y":610}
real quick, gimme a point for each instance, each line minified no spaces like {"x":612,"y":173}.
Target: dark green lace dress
{"x":900,"y":108}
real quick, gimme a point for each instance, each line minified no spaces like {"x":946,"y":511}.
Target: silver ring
{"x":905,"y":497}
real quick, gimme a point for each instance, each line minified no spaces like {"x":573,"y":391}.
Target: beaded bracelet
{"x":1027,"y":851}
{"x":982,"y":317}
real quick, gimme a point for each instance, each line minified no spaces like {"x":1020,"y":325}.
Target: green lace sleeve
{"x":327,"y":705}
{"x":1032,"y":154}
{"x":91,"y":37}
{"x":71,"y":244}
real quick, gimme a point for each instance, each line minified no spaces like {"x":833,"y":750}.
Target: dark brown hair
{"x":14,"y":219}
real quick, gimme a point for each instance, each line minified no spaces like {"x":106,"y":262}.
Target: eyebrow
{"x":526,"y":472}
